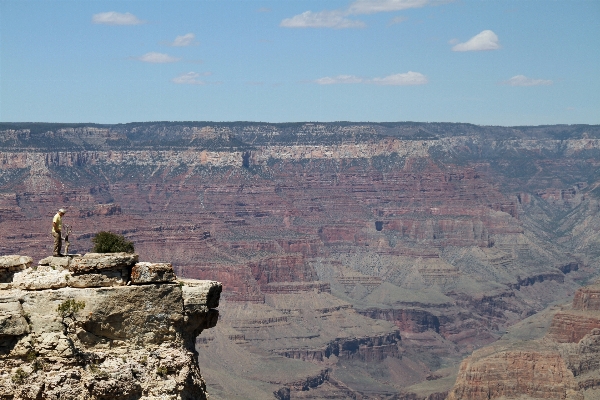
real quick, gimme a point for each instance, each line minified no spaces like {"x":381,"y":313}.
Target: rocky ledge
{"x":101,"y":326}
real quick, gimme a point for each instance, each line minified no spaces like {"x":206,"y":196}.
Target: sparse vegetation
{"x":31,"y":355}
{"x":108,"y":242}
{"x":98,"y":372}
{"x":38,"y":364}
{"x":19,"y":377}
{"x":162,"y":371}
{"x":70,"y":307}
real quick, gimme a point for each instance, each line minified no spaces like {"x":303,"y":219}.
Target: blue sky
{"x":507,"y":62}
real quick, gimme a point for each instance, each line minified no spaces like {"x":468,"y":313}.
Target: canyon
{"x":358,"y":260}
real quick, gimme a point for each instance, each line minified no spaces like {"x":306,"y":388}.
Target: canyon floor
{"x":358,"y":260}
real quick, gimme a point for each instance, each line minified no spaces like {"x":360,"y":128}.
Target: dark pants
{"x":57,"y":243}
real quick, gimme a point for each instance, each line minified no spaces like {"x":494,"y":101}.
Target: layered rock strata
{"x":85,"y":327}
{"x":564,"y":364}
{"x":449,"y":233}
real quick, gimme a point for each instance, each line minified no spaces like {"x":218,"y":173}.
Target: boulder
{"x":94,"y":262}
{"x":107,"y":278}
{"x":200,"y":295}
{"x":58,"y":263}
{"x":15,"y":262}
{"x":145,"y":272}
{"x":12,"y":320}
{"x":11,"y":264}
{"x":42,"y":277}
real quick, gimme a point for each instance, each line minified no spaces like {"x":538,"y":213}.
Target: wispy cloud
{"x":189,"y":78}
{"x":485,"y":40}
{"x":188,"y":39}
{"x":339,"y":79}
{"x":338,"y":19}
{"x":522,"y":80}
{"x":398,"y":20}
{"x":377,"y":6}
{"x":409,"y":78}
{"x":157,"y":58}
{"x":115,"y":18}
{"x":321,"y":19}
{"x":264,"y":10}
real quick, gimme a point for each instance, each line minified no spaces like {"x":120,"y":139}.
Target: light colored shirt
{"x":57,"y":222}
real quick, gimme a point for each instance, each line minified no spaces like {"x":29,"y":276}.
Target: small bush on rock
{"x":69,"y":308}
{"x":162,"y":371}
{"x":19,"y":377}
{"x":108,"y":242}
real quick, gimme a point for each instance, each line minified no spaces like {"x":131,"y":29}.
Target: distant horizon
{"x":492,"y":63}
{"x":289,"y":122}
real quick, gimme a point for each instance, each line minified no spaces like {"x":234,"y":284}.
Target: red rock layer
{"x":587,"y":298}
{"x":287,"y":268}
{"x":542,"y":375}
{"x":571,"y":327}
{"x":240,"y":285}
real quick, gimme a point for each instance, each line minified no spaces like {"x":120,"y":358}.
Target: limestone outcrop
{"x":81,"y":327}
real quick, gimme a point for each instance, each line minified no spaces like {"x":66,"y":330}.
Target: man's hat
{"x":62,"y":210}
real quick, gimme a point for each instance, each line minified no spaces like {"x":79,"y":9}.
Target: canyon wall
{"x":360,"y":258}
{"x":562,"y":364}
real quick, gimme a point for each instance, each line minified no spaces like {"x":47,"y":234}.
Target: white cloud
{"x":377,"y":6}
{"x":407,"y":79}
{"x":398,"y":20}
{"x":485,"y":40}
{"x":157,"y":58}
{"x":115,"y":18}
{"x":338,"y":18}
{"x":339,"y":79}
{"x":185,"y":40}
{"x":190,"y":78}
{"x":321,"y":19}
{"x":522,"y":80}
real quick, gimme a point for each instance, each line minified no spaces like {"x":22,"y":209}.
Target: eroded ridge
{"x":563,"y":364}
{"x":101,"y":326}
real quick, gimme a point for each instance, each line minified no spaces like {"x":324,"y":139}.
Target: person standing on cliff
{"x":56,"y":232}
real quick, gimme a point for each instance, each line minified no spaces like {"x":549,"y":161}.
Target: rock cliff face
{"x":564,"y":364}
{"x":363,"y":258}
{"x":86,"y":327}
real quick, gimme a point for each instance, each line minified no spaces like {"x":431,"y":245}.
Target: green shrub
{"x":19,"y":376}
{"x":69,"y":308}
{"x":31,"y":355}
{"x":108,"y":242}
